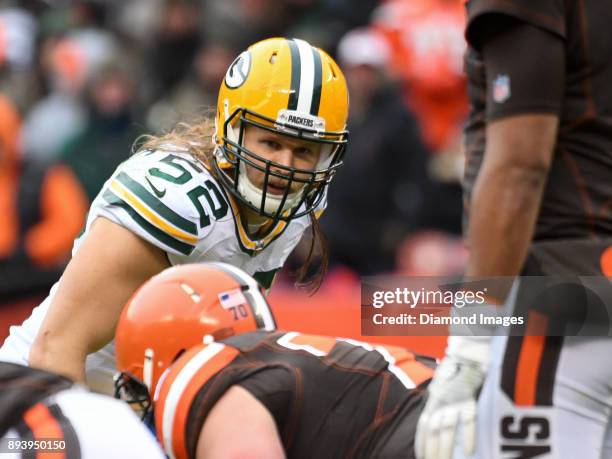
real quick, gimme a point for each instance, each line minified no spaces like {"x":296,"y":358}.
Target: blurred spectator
{"x":320,"y":22}
{"x":43,"y":209}
{"x":324,"y":22}
{"x":242,"y":22}
{"x":431,"y":253}
{"x":67,"y":62}
{"x":49,"y":124}
{"x":52,"y":207}
{"x":17,"y":38}
{"x":18,"y":34}
{"x":110,"y":129}
{"x":136,"y":19}
{"x":197,"y":92}
{"x":426,"y":37}
{"x":444,"y":199}
{"x":173,"y":46}
{"x":9,"y":176}
{"x":377,"y":195}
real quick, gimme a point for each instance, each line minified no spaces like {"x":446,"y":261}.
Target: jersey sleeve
{"x":160,"y":197}
{"x":275,"y":388}
{"x":545,"y":14}
{"x":180,"y":405}
{"x":520,"y":82}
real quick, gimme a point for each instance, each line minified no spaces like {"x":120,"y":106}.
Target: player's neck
{"x":255,"y":224}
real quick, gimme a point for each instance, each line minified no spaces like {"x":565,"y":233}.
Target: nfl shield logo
{"x":501,"y":88}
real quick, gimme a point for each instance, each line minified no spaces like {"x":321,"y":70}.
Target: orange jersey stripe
{"x":207,"y":371}
{"x":192,"y":371}
{"x":606,"y":262}
{"x":44,"y":425}
{"x":161,"y":392}
{"x":407,"y":362}
{"x":530,"y":359}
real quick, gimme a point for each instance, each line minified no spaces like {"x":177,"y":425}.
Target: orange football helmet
{"x":175,"y":310}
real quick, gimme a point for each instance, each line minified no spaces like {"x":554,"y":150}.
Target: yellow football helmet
{"x":292,"y":88}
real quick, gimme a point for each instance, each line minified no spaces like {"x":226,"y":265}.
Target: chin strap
{"x":254,"y":195}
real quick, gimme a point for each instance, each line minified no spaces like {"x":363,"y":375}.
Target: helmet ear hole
{"x":273,"y":58}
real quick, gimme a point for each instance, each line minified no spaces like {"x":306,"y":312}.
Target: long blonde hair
{"x":197,"y":139}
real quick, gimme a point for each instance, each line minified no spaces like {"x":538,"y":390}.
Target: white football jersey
{"x":171,"y":200}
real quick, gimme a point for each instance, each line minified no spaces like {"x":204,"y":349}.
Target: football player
{"x":241,"y":189}
{"x":538,"y":190}
{"x":43,"y":414}
{"x":187,"y":359}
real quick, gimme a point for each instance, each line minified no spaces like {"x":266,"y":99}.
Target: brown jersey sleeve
{"x":545,"y":14}
{"x":278,"y":389}
{"x":524,"y":68}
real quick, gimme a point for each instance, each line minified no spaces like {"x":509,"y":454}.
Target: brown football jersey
{"x":577,"y":201}
{"x":330,"y":397}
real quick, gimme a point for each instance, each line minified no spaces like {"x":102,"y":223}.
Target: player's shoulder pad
{"x":545,"y":14}
{"x":168,"y":197}
{"x":178,"y":388}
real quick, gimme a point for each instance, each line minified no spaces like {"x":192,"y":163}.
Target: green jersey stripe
{"x":265,"y":278}
{"x":153,"y":230}
{"x":156,"y":205}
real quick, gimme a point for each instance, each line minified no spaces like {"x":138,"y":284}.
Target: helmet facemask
{"x":135,"y":392}
{"x":232,"y":159}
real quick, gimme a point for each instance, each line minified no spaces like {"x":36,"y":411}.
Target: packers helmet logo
{"x":239,"y":71}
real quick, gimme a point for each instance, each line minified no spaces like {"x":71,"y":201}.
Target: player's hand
{"x":451,"y":406}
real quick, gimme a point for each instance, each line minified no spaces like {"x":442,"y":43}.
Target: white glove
{"x":451,"y":405}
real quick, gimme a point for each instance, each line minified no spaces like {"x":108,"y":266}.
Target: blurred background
{"x":80,"y":80}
